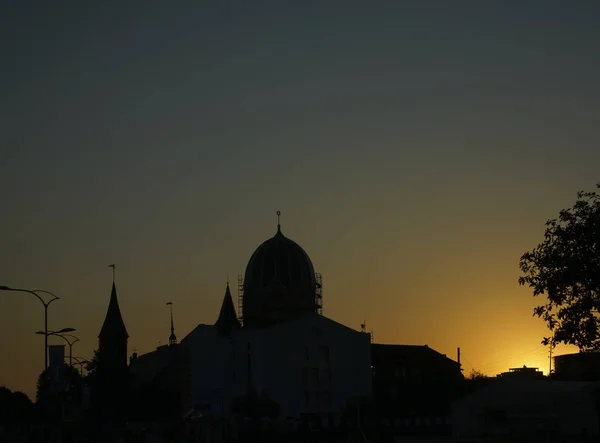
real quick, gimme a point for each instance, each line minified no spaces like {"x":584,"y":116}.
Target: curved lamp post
{"x":46,"y":304}
{"x":80,"y":361}
{"x":63,"y":334}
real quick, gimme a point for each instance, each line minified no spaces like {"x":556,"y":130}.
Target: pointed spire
{"x":227,"y":317}
{"x":279,"y":222}
{"x":172,"y":337}
{"x":113,"y":325}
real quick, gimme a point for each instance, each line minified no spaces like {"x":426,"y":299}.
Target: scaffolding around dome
{"x":318,"y":296}
{"x":241,"y":299}
{"x":319,"y":293}
{"x":279,"y":283}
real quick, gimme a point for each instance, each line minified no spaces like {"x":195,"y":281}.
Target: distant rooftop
{"x":523,"y":372}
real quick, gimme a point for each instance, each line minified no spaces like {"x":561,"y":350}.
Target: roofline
{"x":415,"y":346}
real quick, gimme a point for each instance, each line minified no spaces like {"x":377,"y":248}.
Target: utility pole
{"x":550,"y":370}
{"x":458,"y":358}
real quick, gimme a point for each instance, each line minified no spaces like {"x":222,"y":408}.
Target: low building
{"x":414,"y":387}
{"x":580,"y":366}
{"x":527,"y":410}
{"x":523,"y":373}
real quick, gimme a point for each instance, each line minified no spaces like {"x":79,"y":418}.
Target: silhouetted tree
{"x":14,"y":406}
{"x":47,"y":387}
{"x":53,"y":395}
{"x":565,"y":268}
{"x":475,"y":381}
{"x":476,"y":375}
{"x":91,"y":368}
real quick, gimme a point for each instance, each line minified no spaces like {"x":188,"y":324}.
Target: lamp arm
{"x":47,"y":292}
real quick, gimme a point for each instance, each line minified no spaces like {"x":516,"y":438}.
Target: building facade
{"x":309,"y":365}
{"x":414,"y":387}
{"x":580,"y":366}
{"x":528,"y":410}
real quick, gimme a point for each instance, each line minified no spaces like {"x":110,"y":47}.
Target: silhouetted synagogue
{"x":282,"y":349}
{"x":281,"y":353}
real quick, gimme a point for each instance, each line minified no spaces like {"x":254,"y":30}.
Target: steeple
{"x":227,"y":320}
{"x":172,"y":337}
{"x":109,"y":389}
{"x":279,"y":222}
{"x":114,"y":326}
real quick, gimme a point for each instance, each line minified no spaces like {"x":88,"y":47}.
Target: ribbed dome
{"x":280,"y":260}
{"x":279,"y":277}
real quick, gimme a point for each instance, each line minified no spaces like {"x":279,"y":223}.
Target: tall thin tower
{"x":172,"y":337}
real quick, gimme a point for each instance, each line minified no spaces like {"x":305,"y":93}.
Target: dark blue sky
{"x":414,"y":148}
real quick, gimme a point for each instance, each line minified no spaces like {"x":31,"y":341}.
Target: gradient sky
{"x":415,"y":150}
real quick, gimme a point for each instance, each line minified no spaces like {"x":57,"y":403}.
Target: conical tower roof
{"x":227,"y":317}
{"x":113,"y":326}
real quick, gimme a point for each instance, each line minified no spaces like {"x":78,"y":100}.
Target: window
{"x":307,"y":351}
{"x":306,"y":400}
{"x":305,"y":376}
{"x":315,"y":376}
{"x":327,"y":376}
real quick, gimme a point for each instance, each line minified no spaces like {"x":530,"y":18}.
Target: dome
{"x":279,"y":281}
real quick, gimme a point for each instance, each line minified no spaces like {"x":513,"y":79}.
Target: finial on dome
{"x":278,"y":220}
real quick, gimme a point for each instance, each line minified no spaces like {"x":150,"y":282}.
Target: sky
{"x":415,"y":150}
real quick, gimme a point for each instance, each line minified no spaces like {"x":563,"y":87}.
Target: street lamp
{"x":80,"y":361}
{"x":63,"y":334}
{"x":46,"y":304}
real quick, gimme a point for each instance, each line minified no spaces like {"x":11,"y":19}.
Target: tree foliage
{"x":476,"y":375}
{"x":565,"y":268}
{"x":14,"y":406}
{"x":46,"y":386}
{"x":475,"y":381}
{"x":91,"y":368}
